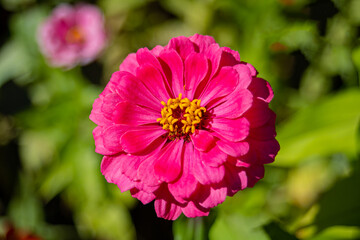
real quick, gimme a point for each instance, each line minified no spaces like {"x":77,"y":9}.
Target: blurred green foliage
{"x":307,"y":49}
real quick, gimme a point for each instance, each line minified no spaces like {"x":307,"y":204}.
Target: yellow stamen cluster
{"x":181,"y":116}
{"x":74,"y":35}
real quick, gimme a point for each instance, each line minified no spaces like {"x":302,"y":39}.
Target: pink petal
{"x":203,"y":140}
{"x":196,"y":68}
{"x":191,"y":210}
{"x":137,"y":140}
{"x":97,"y":116}
{"x":144,"y":56}
{"x":240,"y":163}
{"x":91,"y":21}
{"x":129,"y":165}
{"x":131,"y":89}
{"x":152,"y":79}
{"x":112,"y":135}
{"x":144,"y":197}
{"x":252,"y":69}
{"x":235,"y":106}
{"x":143,"y":185}
{"x":99,"y":142}
{"x":186,"y":185}
{"x":265,"y":132}
{"x":167,"y":210}
{"x":223,"y":84}
{"x":236,"y":179}
{"x":245,"y":77}
{"x":206,"y":174}
{"x":146,"y":171}
{"x":228,"y":57}
{"x":156,"y":50}
{"x":254,"y":174}
{"x":182,"y":45}
{"x":265,"y":150}
{"x":216,"y":196}
{"x":213,"y":158}
{"x":129,"y":64}
{"x":231,"y":129}
{"x":175,"y":64}
{"x":130,"y":114}
{"x":168,"y":165}
{"x":259,"y":114}
{"x":109,"y":104}
{"x":235,"y":149}
{"x":213,"y":53}
{"x":124,"y":183}
{"x":110,"y":168}
{"x":261,"y":89}
{"x":202,"y":41}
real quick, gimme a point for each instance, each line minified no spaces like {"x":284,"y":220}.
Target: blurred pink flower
{"x":185,"y":125}
{"x":72,"y":35}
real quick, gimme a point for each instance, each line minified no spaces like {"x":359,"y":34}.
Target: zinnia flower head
{"x":72,"y":35}
{"x":185,"y":125}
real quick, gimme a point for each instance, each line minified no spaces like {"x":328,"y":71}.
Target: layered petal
{"x":221,"y":85}
{"x":131,"y":89}
{"x":153,"y":80}
{"x":259,"y":114}
{"x":129,"y":64}
{"x":192,"y":210}
{"x":196,"y":68}
{"x":166,"y":209}
{"x":203,"y":140}
{"x":99,"y":142}
{"x":217,"y":195}
{"x":182,"y":45}
{"x":213,"y":158}
{"x":144,"y":197}
{"x":131,"y":114}
{"x":97,"y":116}
{"x":235,"y":105}
{"x":168,"y":165}
{"x":136,"y":140}
{"x":174,"y":70}
{"x":265,"y":151}
{"x":231,"y":129}
{"x":235,"y":149}
{"x":206,"y":174}
{"x":185,"y":186}
{"x":261,"y":89}
{"x":202,"y":41}
{"x":111,"y":137}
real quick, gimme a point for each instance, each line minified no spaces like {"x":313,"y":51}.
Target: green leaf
{"x":14,"y":62}
{"x":107,"y":220}
{"x":341,"y":204}
{"x":193,"y":228}
{"x":321,"y":129}
{"x":25,"y":209}
{"x":275,"y":232}
{"x":338,"y":233}
{"x":237,"y":226}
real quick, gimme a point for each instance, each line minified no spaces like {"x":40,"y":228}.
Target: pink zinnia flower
{"x":72,"y":35}
{"x":185,"y":125}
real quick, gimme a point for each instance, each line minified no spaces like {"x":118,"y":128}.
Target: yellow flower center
{"x":74,"y":35}
{"x":181,"y":117}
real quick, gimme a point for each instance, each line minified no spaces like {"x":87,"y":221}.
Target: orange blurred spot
{"x":74,"y":35}
{"x":278,"y":47}
{"x":287,"y":2}
{"x":18,"y":234}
